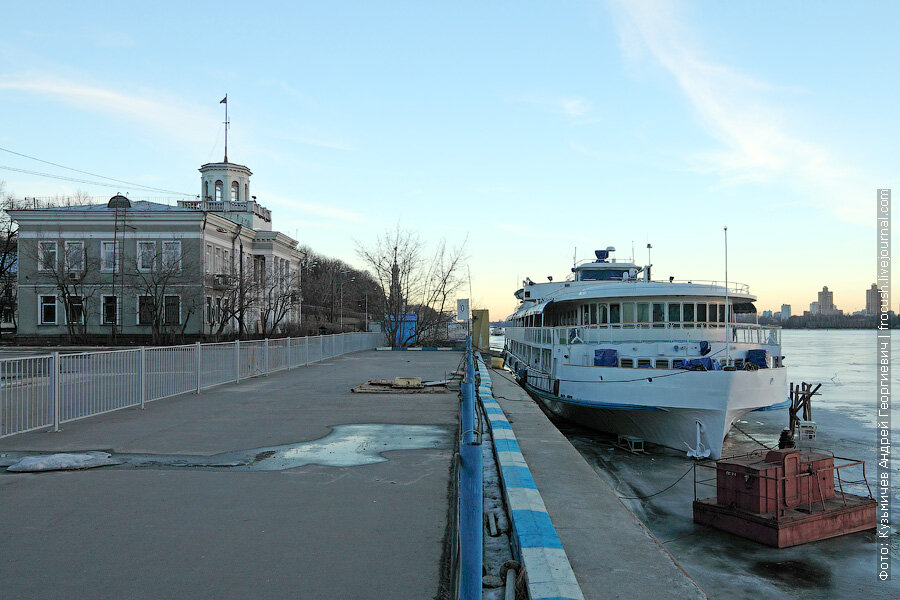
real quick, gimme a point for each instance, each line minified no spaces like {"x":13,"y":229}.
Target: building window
{"x":172,"y":313}
{"x":75,"y":310}
{"x":209,"y":258}
{"x":219,"y":191}
{"x":75,"y":257}
{"x":206,"y":190}
{"x":47,"y":314}
{"x":210,"y":316}
{"x":109,"y":310}
{"x":47,"y":256}
{"x":145,"y":310}
{"x":235,"y":191}
{"x":218,"y":261}
{"x":109,"y":256}
{"x":146,"y":252}
{"x":226,"y":257}
{"x":172,"y":256}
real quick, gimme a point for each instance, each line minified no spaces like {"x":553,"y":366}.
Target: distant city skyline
{"x":528,"y":132}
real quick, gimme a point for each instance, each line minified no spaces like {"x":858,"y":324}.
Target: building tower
{"x":873,"y":300}
{"x":826,"y":301}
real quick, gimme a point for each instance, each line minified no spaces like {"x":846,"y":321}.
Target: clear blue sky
{"x":532,"y":128}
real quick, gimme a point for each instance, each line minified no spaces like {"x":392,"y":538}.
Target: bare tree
{"x":156,"y":275}
{"x":235,"y":300}
{"x":414,"y":283}
{"x":74,"y":275}
{"x":279,"y":292}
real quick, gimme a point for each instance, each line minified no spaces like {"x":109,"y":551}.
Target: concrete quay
{"x":331,"y":529}
{"x":613,"y":555}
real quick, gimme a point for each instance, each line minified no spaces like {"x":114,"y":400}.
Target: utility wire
{"x":47,"y":162}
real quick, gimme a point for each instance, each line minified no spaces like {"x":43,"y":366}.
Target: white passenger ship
{"x":673,"y":362}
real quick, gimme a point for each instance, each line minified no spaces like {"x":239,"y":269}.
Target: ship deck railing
{"x":744,"y":333}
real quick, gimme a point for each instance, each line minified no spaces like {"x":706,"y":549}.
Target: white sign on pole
{"x":462,"y":309}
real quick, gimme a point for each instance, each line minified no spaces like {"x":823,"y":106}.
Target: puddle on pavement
{"x":795,"y":573}
{"x":346,"y":446}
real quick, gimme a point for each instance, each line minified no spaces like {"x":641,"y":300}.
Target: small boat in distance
{"x":673,"y":362}
{"x":496,"y":331}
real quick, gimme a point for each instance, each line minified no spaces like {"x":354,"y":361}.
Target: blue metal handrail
{"x":470,"y":489}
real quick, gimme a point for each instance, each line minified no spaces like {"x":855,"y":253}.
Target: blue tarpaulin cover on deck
{"x":606,"y":357}
{"x":709,"y":364}
{"x":704,"y":348}
{"x":760,"y":358}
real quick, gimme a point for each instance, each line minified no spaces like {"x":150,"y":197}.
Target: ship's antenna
{"x":727,"y":333}
{"x":575,"y":256}
{"x":649,"y":262}
{"x":632,"y":250}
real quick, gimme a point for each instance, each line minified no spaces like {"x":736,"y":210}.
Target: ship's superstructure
{"x":674,"y":362}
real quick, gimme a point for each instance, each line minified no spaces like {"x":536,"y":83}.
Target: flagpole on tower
{"x":225,"y":102}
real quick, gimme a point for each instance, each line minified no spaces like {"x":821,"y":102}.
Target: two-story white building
{"x":211,"y":266}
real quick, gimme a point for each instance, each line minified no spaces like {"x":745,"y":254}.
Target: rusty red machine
{"x":784,"y":497}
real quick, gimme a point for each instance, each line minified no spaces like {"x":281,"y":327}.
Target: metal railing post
{"x":55,"y":367}
{"x":199,"y":379}
{"x":237,"y":361}
{"x":266,"y":357}
{"x":142,"y":377}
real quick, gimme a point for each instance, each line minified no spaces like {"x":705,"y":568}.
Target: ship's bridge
{"x":605,"y":268}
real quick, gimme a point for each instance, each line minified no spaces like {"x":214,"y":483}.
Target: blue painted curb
{"x":547,"y":569}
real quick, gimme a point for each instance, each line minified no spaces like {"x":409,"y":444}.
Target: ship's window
{"x":721,"y":313}
{"x":713,"y":314}
{"x":674,"y":312}
{"x":602,"y":275}
{"x":701,"y":313}
{"x":662,"y":363}
{"x":643,"y":363}
{"x":604,"y":314}
{"x":626,"y":363}
{"x":659,"y":314}
{"x":614,"y":312}
{"x":643,"y":312}
{"x":628,"y":312}
{"x":687,"y":315}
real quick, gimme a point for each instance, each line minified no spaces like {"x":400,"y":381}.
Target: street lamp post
{"x":342,"y":296}
{"x":306,"y":268}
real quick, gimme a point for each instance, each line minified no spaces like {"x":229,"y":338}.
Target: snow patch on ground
{"x":63,"y":462}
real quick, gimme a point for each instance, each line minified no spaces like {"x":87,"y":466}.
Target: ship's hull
{"x":665,"y":407}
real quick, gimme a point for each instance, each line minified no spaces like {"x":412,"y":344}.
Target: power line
{"x":120,"y":181}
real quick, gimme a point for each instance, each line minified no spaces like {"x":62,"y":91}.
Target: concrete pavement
{"x":370,"y":531}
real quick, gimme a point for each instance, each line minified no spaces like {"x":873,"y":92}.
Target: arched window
{"x":205,"y":190}
{"x":219,"y":191}
{"x":235,"y":191}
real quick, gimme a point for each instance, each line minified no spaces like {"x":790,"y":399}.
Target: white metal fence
{"x":37,"y":392}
